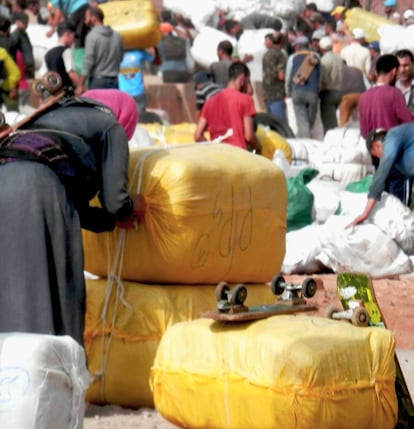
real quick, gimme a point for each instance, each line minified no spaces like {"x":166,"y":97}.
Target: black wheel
{"x":276,"y":285}
{"x":239,"y":294}
{"x":329,"y":311}
{"x":274,"y":123}
{"x":360,"y":317}
{"x":52,"y":81}
{"x":309,"y":287}
{"x":38,"y":87}
{"x":221,"y":291}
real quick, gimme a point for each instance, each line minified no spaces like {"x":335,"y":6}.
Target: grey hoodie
{"x":103,"y":52}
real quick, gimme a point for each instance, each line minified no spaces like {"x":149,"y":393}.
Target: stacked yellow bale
{"x":283,"y":372}
{"x":213,"y":213}
{"x":183,"y":133}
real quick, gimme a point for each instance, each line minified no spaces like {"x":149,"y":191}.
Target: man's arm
{"x":200,"y":130}
{"x":365,"y":214}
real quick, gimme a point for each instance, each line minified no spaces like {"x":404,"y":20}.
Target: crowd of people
{"x":77,"y":148}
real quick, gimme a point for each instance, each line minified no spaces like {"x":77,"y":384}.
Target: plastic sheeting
{"x":136,"y":21}
{"x":124,"y":325}
{"x":282,"y":372}
{"x":43,"y":380}
{"x":213,"y":212}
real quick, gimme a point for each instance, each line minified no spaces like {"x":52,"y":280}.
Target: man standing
{"x":230,"y":109}
{"x":131,"y":75}
{"x":395,"y":173}
{"x":303,"y":86}
{"x":405,"y":76}
{"x":59,"y":58}
{"x":331,"y":82}
{"x":274,"y":67}
{"x":383,"y":105}
{"x":356,"y":54}
{"x":103,"y":54}
{"x":220,"y":69}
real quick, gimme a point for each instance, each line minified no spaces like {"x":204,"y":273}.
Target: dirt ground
{"x":396,"y":300}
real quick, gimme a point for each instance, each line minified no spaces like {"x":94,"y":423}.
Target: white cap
{"x":325,"y":43}
{"x":358,"y":33}
{"x":408,"y":13}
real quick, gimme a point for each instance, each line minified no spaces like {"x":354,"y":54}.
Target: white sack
{"x":327,"y":196}
{"x":204,"y":48}
{"x":198,"y":12}
{"x":43,"y":380}
{"x":252,"y":42}
{"x":393,"y":217}
{"x":40,"y":42}
{"x":363,"y":248}
{"x":140,"y":138}
{"x":342,"y":173}
{"x":395,"y":37}
{"x":302,"y":247}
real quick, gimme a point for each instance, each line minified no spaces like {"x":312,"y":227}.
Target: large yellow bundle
{"x":135,"y":20}
{"x":370,"y":22}
{"x":183,"y":133}
{"x":282,"y":372}
{"x":124,"y":325}
{"x":214,"y":212}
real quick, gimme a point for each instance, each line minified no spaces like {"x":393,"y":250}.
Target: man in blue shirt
{"x":130,"y":78}
{"x":395,"y":171}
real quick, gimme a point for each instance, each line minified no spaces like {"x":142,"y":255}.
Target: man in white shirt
{"x":356,"y":54}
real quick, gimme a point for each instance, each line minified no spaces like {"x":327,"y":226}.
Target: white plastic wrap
{"x":363,"y":248}
{"x":43,"y":380}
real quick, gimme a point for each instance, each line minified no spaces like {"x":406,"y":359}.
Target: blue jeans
{"x":277,"y":108}
{"x":305,"y":106}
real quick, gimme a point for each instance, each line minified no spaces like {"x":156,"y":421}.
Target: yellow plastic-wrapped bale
{"x":135,"y":20}
{"x":173,"y":134}
{"x":213,"y":212}
{"x":370,"y":22}
{"x":283,"y":372}
{"x":124,"y":325}
{"x":271,"y":141}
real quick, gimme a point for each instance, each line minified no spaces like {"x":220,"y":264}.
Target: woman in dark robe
{"x":49,"y":171}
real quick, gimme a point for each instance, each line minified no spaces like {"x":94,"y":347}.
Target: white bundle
{"x":363,"y":248}
{"x":394,"y":37}
{"x":302,"y":247}
{"x":204,"y":47}
{"x":394,"y":218}
{"x":327,"y":196}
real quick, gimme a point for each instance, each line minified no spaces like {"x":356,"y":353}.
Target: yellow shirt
{"x":11,"y":71}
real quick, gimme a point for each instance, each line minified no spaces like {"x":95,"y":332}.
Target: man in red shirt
{"x":383,"y":105}
{"x":230,"y":112}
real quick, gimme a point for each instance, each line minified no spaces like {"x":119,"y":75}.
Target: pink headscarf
{"x":122,"y":105}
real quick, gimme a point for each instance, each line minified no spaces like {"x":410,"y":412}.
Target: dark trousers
{"x":330,"y":100}
{"x":103,"y":82}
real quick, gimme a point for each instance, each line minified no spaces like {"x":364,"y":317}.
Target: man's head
{"x":66,"y":33}
{"x":239,"y":76}
{"x":390,"y":6}
{"x":386,"y":67}
{"x":268,"y":40}
{"x":358,"y":34}
{"x":224,"y":49}
{"x":374,"y":142}
{"x":406,"y":63}
{"x":94,"y":16}
{"x":374,"y":48}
